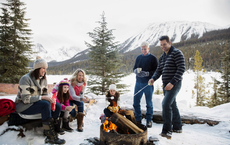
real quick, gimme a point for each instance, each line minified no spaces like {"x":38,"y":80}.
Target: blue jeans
{"x":44,"y":108}
{"x":170,"y":112}
{"x":148,"y":91}
{"x":80,"y":107}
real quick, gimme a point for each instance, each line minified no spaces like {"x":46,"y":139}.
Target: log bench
{"x":157,"y":118}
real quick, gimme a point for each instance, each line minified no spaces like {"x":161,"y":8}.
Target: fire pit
{"x":114,"y":138}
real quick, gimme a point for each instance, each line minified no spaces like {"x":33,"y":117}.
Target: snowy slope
{"x":176,"y":30}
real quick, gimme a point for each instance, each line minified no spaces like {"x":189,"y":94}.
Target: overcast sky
{"x":59,"y":23}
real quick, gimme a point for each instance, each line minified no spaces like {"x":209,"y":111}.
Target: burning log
{"x":124,"y":124}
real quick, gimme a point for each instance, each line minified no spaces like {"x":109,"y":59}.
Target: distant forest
{"x":210,"y":46}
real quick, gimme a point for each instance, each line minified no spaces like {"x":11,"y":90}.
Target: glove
{"x":113,"y":109}
{"x":143,"y":74}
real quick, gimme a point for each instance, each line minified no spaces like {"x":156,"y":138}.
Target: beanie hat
{"x":64,"y":82}
{"x":39,"y":63}
{"x":112,"y":87}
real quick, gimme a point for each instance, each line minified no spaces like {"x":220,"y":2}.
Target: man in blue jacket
{"x":144,"y":68}
{"x":171,"y":66}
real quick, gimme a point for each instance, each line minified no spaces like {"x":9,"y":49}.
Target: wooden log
{"x":125,"y":124}
{"x":157,"y":118}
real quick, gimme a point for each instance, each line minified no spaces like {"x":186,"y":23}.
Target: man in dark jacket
{"x":144,"y":68}
{"x":171,"y":66}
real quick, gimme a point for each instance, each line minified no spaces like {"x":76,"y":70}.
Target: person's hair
{"x":145,"y":43}
{"x":62,"y":97}
{"x":73,"y":78}
{"x":36,"y":74}
{"x":164,"y":38}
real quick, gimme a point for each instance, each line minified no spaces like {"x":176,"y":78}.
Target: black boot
{"x":57,"y":126}
{"x":52,"y":136}
{"x":65,"y":125}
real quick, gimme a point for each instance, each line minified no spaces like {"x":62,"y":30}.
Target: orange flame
{"x":108,"y":126}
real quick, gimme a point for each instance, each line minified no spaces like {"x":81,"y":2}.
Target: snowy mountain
{"x":176,"y":30}
{"x":59,"y":54}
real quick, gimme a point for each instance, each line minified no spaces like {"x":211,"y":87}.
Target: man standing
{"x":171,"y":66}
{"x":144,"y":68}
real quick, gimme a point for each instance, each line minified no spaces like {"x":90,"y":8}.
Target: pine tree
{"x":5,"y":40}
{"x":224,"y":89}
{"x":199,"y":80}
{"x":105,"y":61}
{"x":15,"y":40}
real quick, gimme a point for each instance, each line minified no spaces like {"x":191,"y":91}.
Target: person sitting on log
{"x":113,"y":98}
{"x":62,"y":97}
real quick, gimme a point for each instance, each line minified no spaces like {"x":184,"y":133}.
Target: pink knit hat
{"x":64,"y":82}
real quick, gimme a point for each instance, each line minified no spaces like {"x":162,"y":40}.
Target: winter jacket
{"x":78,"y":92}
{"x":148,"y":63}
{"x":30,"y":90}
{"x":171,"y":66}
{"x":113,"y":100}
{"x":75,"y":92}
{"x":63,"y":104}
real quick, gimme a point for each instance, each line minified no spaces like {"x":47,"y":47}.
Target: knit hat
{"x":112,"y":87}
{"x":39,"y":63}
{"x":64,"y":82}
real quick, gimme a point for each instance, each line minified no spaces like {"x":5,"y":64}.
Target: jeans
{"x":170,"y":112}
{"x":80,"y":107}
{"x":44,"y":108}
{"x":148,"y":91}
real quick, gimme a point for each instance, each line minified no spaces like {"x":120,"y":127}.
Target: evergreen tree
{"x":15,"y":42}
{"x":5,"y":40}
{"x":105,"y":61}
{"x":215,"y":100}
{"x":224,"y":89}
{"x":199,"y":80}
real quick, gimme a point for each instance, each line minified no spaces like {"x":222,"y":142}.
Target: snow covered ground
{"x":197,"y":134}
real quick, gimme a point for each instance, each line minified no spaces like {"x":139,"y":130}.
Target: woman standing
{"x":32,"y":98}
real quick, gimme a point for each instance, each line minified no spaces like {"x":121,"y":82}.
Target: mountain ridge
{"x":176,"y":30}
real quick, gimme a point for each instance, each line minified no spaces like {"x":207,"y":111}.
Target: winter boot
{"x":80,"y":117}
{"x":52,"y":136}
{"x":130,"y":115}
{"x":57,"y":126}
{"x":65,"y":125}
{"x":71,"y":118}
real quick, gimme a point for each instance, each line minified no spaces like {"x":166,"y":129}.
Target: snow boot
{"x":57,"y":126}
{"x":51,"y":135}
{"x":80,"y":117}
{"x":71,"y":118}
{"x":130,"y":115}
{"x":168,"y":134}
{"x":65,"y":125}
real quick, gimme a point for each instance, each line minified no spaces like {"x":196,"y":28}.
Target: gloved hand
{"x":143,"y":74}
{"x":113,"y":109}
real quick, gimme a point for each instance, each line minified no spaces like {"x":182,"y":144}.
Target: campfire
{"x":109,"y":126}
{"x":118,"y":130}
